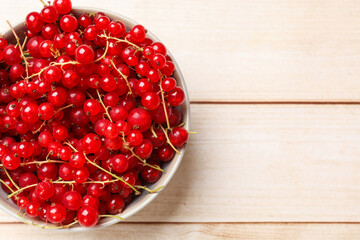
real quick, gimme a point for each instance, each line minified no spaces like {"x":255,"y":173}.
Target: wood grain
{"x":135,"y":231}
{"x":278,"y":50}
{"x":263,"y":163}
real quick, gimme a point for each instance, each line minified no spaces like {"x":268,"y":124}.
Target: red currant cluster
{"x":88,"y":115}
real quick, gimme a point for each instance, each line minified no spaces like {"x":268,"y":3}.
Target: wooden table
{"x":275,"y":93}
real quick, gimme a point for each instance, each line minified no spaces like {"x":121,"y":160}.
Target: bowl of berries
{"x":94,"y":118}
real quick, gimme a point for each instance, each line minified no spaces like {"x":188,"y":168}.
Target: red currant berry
{"x":56,"y":213}
{"x":49,"y":14}
{"x":139,"y":119}
{"x":63,"y":6}
{"x":150,"y":100}
{"x":44,"y":190}
{"x":91,"y":143}
{"x":12,"y":55}
{"x":158,"y":61}
{"x":72,"y":200}
{"x":138,"y":33}
{"x":119,"y":163}
{"x":149,"y":174}
{"x":81,"y":175}
{"x":176,"y":97}
{"x":168,"y":84}
{"x":88,"y":216}
{"x":84,"y":54}
{"x":68,"y":23}
{"x":34,"y":22}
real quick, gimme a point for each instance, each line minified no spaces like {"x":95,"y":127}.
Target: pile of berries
{"x":89,"y":112}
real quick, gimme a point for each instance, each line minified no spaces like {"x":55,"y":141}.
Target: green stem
{"x":168,"y":140}
{"x":102,"y":104}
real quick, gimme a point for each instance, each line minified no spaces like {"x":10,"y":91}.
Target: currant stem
{"x":139,"y":158}
{"x":122,"y":40}
{"x":60,"y":109}
{"x":168,"y":140}
{"x":149,"y":190}
{"x":152,"y":131}
{"x":20,"y":47}
{"x":38,"y":130}
{"x":105,"y":108}
{"x":163,"y":103}
{"x":144,"y":161}
{"x":43,"y":3}
{"x":61,"y":182}
{"x":10,"y":178}
{"x":113,"y":175}
{"x":6,"y":185}
{"x":21,"y":189}
{"x":24,"y":43}
{"x":105,"y":52}
{"x":123,"y":76}
{"x":112,"y":216}
{"x":89,"y":95}
{"x":22,"y":216}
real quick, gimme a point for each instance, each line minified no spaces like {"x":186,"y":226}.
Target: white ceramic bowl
{"x":170,"y":167}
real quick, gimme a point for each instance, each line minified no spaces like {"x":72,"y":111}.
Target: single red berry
{"x":72,"y":200}
{"x":23,"y":202}
{"x":168,"y":84}
{"x":139,"y":119}
{"x":66,"y":172}
{"x":44,"y":190}
{"x":81,"y":175}
{"x":10,"y":161}
{"x":68,"y":23}
{"x":144,"y":150}
{"x":158,"y":61}
{"x":165,"y":153}
{"x":176,"y":97}
{"x":150,"y":100}
{"x":53,"y":74}
{"x":91,"y":143}
{"x":63,"y":6}
{"x":115,"y":204}
{"x":134,"y":137}
{"x":33,"y":209}
{"x":120,"y":163}
{"x":138,"y":33}
{"x":46,"y":111}
{"x":12,"y":55}
{"x":56,"y":213}
{"x":150,"y":174}
{"x":88,"y":216}
{"x":77,"y":160}
{"x":84,"y":54}
{"x":49,"y":14}
{"x":60,"y":133}
{"x":111,"y":131}
{"x":159,"y":48}
{"x":178,"y":136}
{"x":92,"y":107}
{"x":84,"y":20}
{"x":45,"y":139}
{"x":34,"y":22}
{"x":102,"y":22}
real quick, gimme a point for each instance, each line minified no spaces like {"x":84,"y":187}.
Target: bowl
{"x":170,"y":167}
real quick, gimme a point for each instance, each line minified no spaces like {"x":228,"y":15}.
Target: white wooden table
{"x":275,"y":91}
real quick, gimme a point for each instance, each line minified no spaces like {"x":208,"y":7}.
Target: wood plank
{"x":230,"y":50}
{"x":134,"y":231}
{"x":256,"y":163}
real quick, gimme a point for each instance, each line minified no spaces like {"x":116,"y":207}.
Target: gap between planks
{"x":277,"y":102}
{"x":230,"y":223}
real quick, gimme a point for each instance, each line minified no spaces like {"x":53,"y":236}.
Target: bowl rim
{"x":186,"y":120}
